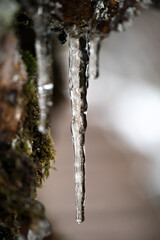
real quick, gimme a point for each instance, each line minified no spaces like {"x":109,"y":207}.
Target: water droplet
{"x":15,"y":78}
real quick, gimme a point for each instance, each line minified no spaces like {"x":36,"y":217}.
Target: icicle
{"x":44,"y":58}
{"x":78,"y":75}
{"x":40,"y":229}
{"x":94,"y":58}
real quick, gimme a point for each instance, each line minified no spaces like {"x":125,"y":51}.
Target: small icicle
{"x":94,"y":58}
{"x":78,"y":76}
{"x":39,"y":230}
{"x":44,"y":59}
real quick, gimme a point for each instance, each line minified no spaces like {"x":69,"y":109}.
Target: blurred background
{"x":122,"y":142}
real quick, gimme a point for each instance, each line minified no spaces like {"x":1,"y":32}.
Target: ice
{"x":78,"y":76}
{"x":44,"y":60}
{"x":101,"y":10}
{"x":94,"y":58}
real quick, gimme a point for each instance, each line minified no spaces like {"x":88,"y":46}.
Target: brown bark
{"x":99,"y":16}
{"x":12,"y":78}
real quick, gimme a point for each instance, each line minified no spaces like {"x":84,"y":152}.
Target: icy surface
{"x":101,"y":10}
{"x":44,"y":59}
{"x":94,"y":58}
{"x":78,"y":76}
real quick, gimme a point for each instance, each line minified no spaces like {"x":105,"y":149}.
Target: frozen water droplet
{"x":44,"y":59}
{"x":39,"y":230}
{"x":94,"y":58}
{"x":78,"y":76}
{"x":15,"y":78}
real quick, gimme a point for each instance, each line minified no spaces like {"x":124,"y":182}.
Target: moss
{"x":17,"y":187}
{"x":26,"y":162}
{"x":30,"y":63}
{"x":35,"y":144}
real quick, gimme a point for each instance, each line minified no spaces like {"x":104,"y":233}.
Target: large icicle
{"x":94,"y":58}
{"x":44,"y":58}
{"x":78,"y":76}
